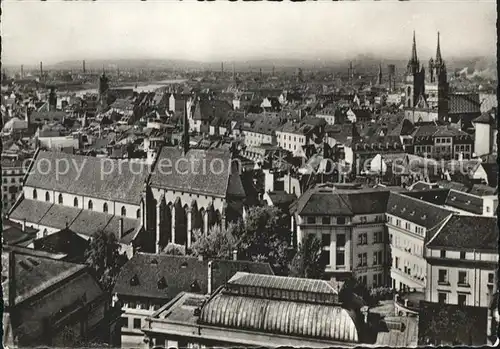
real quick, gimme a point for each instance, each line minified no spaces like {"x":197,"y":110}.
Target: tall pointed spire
{"x":439,"y":59}
{"x":379,"y":81}
{"x":414,"y":57}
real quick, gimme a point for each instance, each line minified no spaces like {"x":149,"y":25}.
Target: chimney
{"x":41,"y":71}
{"x":200,"y":258}
{"x":235,"y":255}
{"x":12,"y":279}
{"x":22,"y":71}
{"x":120,"y":228}
{"x":23,"y":225}
{"x":83,"y":66}
{"x":209,"y":281}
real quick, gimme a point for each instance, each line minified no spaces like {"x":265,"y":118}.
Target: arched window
{"x":75,"y":202}
{"x":124,"y":211}
{"x":105,"y":208}
{"x":138,"y":213}
{"x":34,"y":194}
{"x":47,"y":196}
{"x":91,"y":205}
{"x":60,"y":199}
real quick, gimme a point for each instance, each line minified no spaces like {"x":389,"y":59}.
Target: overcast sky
{"x":34,"y":31}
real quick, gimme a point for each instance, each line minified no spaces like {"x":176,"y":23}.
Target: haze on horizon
{"x":60,"y":31}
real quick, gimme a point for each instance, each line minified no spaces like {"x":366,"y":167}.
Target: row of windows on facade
{"x":12,"y":180}
{"x":462,"y":278}
{"x":342,"y":220}
{"x":90,"y":204}
{"x":378,"y":259}
{"x":428,"y":148}
{"x":461,"y":298}
{"x":405,"y":245}
{"x":301,"y":139}
{"x":377,"y":280}
{"x":417,"y":270}
{"x":408,"y":226}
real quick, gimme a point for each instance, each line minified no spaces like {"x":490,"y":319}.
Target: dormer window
{"x":195,"y":286}
{"x":34,"y":194}
{"x":134,"y":281}
{"x":60,"y":199}
{"x":424,"y":216}
{"x":453,"y":198}
{"x":162,"y":283}
{"x":468,"y":202}
{"x":412,"y":213}
{"x":47,"y":196}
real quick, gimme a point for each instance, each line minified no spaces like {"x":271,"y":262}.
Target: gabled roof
{"x":467,"y":232}
{"x":108,"y":179}
{"x":464,"y":201}
{"x":193,"y":173}
{"x":485,"y":118}
{"x":180,"y":274}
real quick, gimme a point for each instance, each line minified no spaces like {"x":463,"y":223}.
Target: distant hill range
{"x":363,"y":64}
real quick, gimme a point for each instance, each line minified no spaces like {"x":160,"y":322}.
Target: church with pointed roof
{"x":426,"y":93}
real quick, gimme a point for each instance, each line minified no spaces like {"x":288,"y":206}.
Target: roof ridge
{"x":443,"y":223}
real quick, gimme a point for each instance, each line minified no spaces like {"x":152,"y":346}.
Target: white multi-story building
{"x":350,"y":223}
{"x":13,"y":173}
{"x":410,"y":223}
{"x":462,"y":259}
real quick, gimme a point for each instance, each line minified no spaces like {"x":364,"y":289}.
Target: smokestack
{"x":22,"y":71}
{"x":209,"y":283}
{"x":120,"y":228}
{"x":222,"y":67}
{"x":12,"y":279}
{"x":41,"y":70}
{"x":83,"y":67}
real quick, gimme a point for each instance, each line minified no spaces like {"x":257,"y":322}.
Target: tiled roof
{"x":40,"y":116}
{"x":485,"y":118}
{"x":59,"y":216}
{"x":438,"y":131}
{"x":12,"y":232}
{"x":179,"y":272}
{"x":64,"y":241}
{"x":464,"y":103}
{"x":325,"y":201}
{"x":466,"y":202}
{"x":194,"y":174}
{"x":32,"y":210}
{"x":467,"y":232}
{"x":103,"y":178}
{"x":436,"y":196}
{"x":89,"y":222}
{"x":416,"y":211}
{"x":33,"y":274}
{"x":264,"y":124}
{"x":281,"y":197}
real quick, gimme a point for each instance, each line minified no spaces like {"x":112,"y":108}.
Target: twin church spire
{"x":436,"y":66}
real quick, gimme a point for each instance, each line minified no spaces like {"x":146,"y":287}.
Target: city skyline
{"x":197,"y":32}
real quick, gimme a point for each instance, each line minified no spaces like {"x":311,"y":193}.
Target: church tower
{"x":415,"y":78}
{"x":379,"y":81}
{"x":103,"y":90}
{"x":440,"y":76}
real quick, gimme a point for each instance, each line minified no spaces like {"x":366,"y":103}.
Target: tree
{"x":353,"y":293}
{"x":264,"y":236}
{"x":219,"y":243}
{"x":104,"y":258}
{"x":174,"y":249}
{"x":307,"y":262}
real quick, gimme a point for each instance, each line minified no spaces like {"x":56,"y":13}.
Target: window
{"x":487,"y":209}
{"x":362,"y":279}
{"x":47,"y":196}
{"x":462,"y":300}
{"x":389,"y":219}
{"x":325,"y":220}
{"x":34,"y":194}
{"x":340,"y":220}
{"x":390,"y":239}
{"x":408,"y":226}
{"x":398,"y":222}
{"x":60,"y":199}
{"x":377,"y":258}
{"x":105,"y":208}
{"x":362,"y":259}
{"x":462,"y":278}
{"x":377,"y":237}
{"x":340,"y":240}
{"x":397,"y":263}
{"x":442,"y":253}
{"x":311,"y":220}
{"x":75,"y":202}
{"x":442,"y":297}
{"x":137,"y":323}
{"x":124,"y":321}
{"x":90,"y":205}
{"x":13,"y":180}
{"x":138,"y":214}
{"x":124,"y":211}
{"x":363,"y":219}
{"x":132,"y":305}
{"x":325,"y":240}
{"x":462,"y":254}
{"x":340,"y":258}
{"x":362,"y":238}
{"x":443,"y":276}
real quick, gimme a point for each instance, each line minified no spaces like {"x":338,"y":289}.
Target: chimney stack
{"x":200,"y":258}
{"x":209,"y":283}
{"x":23,"y":225}
{"x":120,"y":228}
{"x":83,"y":66}
{"x":41,"y":71}
{"x":22,"y":71}
{"x":235,"y":255}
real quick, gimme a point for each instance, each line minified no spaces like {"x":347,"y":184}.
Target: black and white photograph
{"x":222,"y":174}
